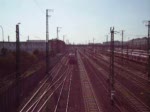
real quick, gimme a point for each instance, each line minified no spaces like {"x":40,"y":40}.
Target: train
{"x":72,"y":58}
{"x":57,"y":47}
{"x":135,"y":56}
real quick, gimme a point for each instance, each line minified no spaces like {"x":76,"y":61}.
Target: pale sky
{"x":81,"y":20}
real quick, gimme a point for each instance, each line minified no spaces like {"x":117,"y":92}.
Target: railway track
{"x":100,"y":80}
{"x":125,"y":73}
{"x":127,"y":63}
{"x":46,"y":84}
{"x":42,"y":105}
{"x":7,"y":81}
{"x":130,"y":75}
{"x":64,"y":94}
{"x":132,"y":67}
{"x":135,"y":102}
{"x":90,"y":99}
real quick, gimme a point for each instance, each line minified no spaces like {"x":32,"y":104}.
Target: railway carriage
{"x":72,"y":58}
{"x":133,"y":56}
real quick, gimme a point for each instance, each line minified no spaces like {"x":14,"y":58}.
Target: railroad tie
{"x":89,"y":97}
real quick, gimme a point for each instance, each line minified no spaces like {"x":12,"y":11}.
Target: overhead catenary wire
{"x":40,"y":8}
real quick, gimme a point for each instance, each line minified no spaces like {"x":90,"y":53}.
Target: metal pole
{"x":28,"y":38}
{"x":148,"y":44}
{"x":57,"y":42}
{"x":28,"y":44}
{"x":112,"y":65}
{"x":57,"y":32}
{"x":63,"y":37}
{"x":2,"y":35}
{"x":17,"y":67}
{"x":128,"y":50}
{"x":132,"y":46}
{"x":93,"y":43}
{"x":106,"y":43}
{"x":47,"y":44}
{"x":122,"y":45}
{"x":93,"y":48}
{"x":8,"y":38}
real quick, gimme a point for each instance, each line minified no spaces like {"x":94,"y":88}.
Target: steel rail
{"x":37,"y":91}
{"x":47,"y":89}
{"x":53,"y":92}
{"x":90,"y":99}
{"x":69,"y":93}
{"x":131,"y":97}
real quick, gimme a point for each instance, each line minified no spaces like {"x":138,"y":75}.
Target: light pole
{"x":2,"y":35}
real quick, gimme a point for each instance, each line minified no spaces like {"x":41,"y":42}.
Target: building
{"x":57,"y":46}
{"x":138,"y":43}
{"x":31,"y":45}
{"x":116,"y":43}
{"x":28,"y":46}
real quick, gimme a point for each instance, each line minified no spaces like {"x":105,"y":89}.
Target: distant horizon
{"x":74,"y":43}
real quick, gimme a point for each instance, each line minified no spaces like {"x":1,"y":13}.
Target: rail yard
{"x":79,"y":81}
{"x":81,"y":56}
